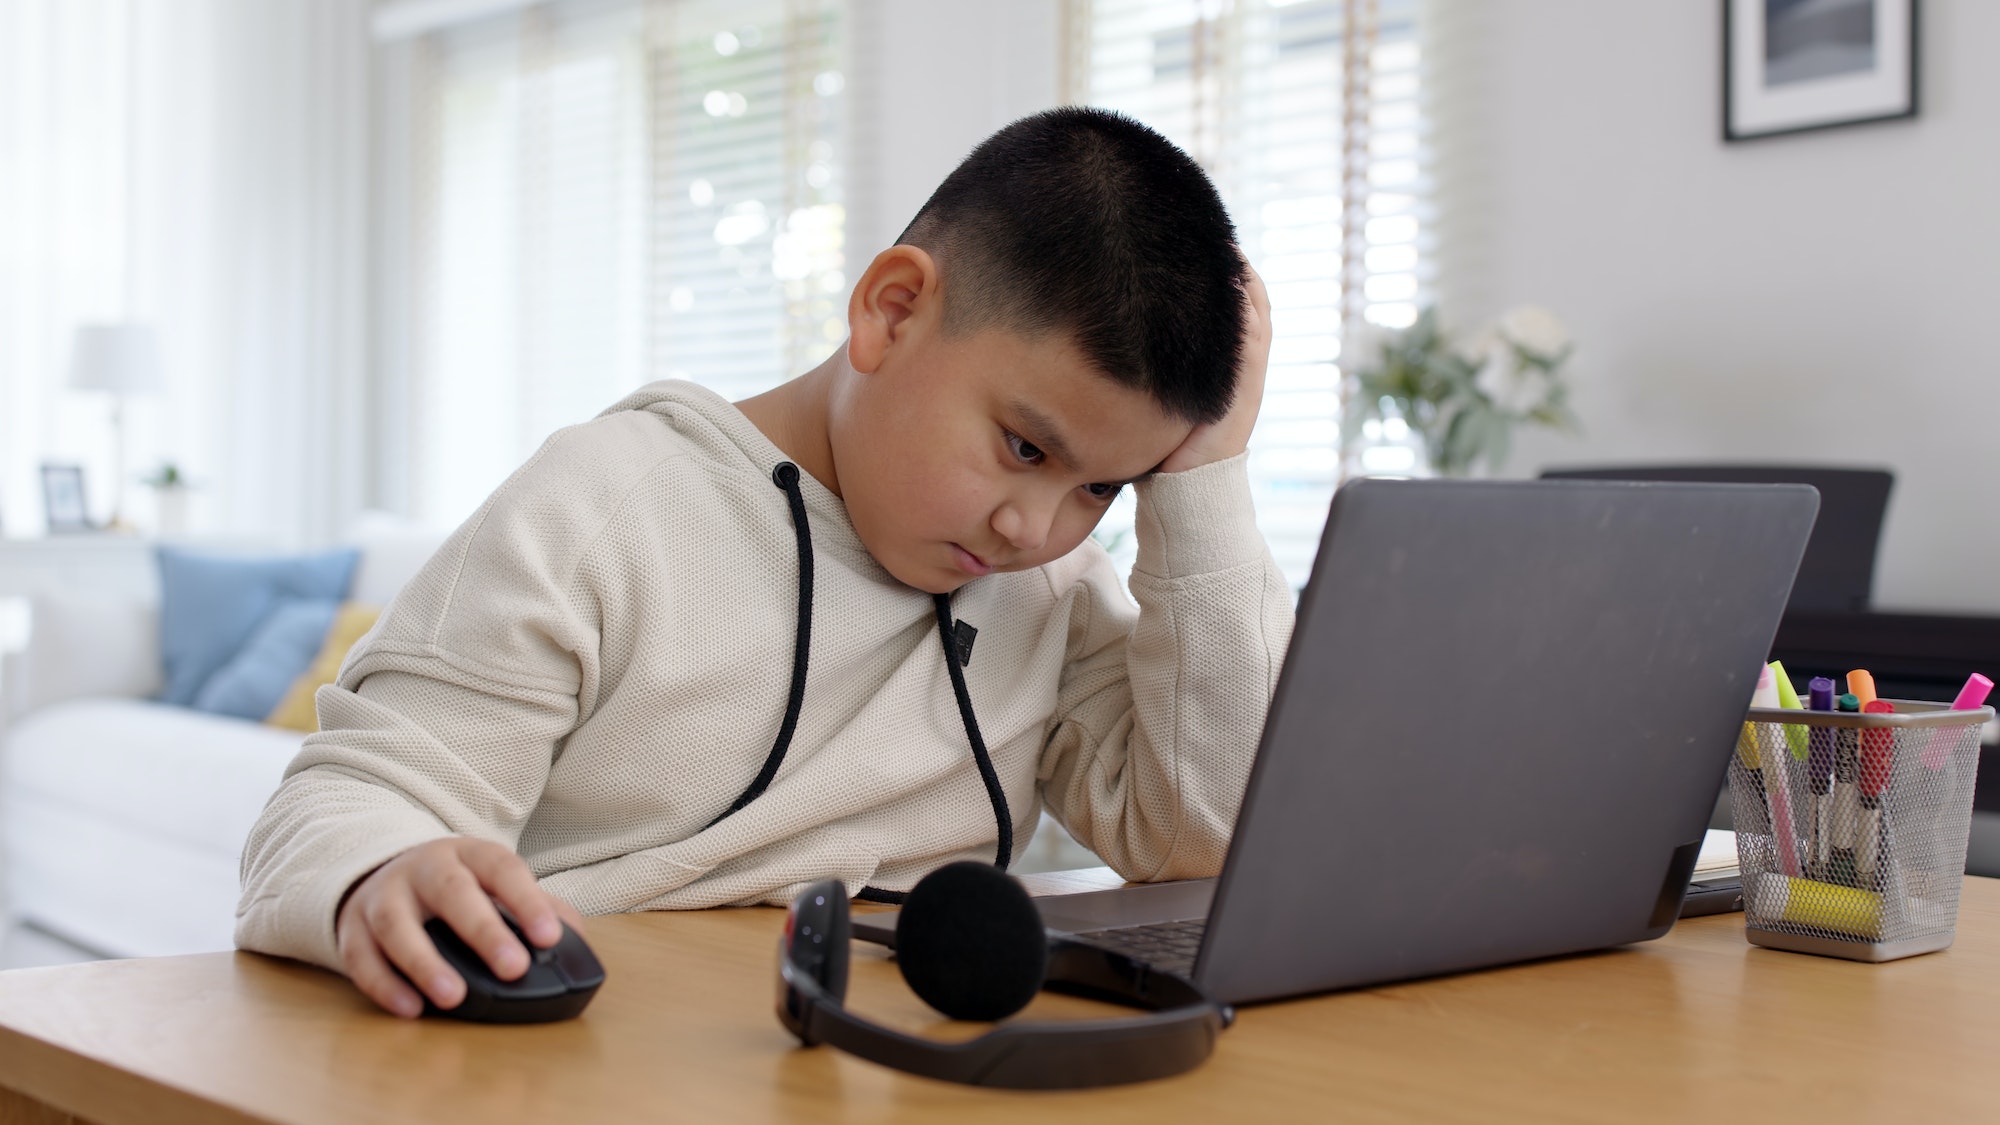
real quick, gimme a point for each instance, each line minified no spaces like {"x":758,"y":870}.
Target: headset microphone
{"x":972,"y":945}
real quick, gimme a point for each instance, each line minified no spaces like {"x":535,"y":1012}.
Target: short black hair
{"x":1084,"y":221}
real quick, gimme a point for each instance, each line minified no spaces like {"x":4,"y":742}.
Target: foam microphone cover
{"x":971,"y":943}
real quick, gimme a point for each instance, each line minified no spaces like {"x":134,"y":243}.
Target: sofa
{"x":122,"y":819}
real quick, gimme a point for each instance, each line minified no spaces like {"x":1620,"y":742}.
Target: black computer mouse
{"x":558,"y":984}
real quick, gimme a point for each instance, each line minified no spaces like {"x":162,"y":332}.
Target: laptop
{"x":1503,"y":720}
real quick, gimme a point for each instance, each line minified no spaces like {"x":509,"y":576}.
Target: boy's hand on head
{"x":1230,"y":435}
{"x":380,"y":928}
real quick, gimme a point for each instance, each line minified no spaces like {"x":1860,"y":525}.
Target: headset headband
{"x":1176,"y":1035}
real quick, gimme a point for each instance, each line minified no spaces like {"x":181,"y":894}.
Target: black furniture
{"x":1828,"y":629}
{"x":1838,"y":572}
{"x":1911,"y":656}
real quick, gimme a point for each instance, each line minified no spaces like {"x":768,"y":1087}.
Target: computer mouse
{"x":557,"y":986}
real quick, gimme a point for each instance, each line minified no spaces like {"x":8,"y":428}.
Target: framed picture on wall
{"x":1789,"y":66}
{"x":63,"y":499}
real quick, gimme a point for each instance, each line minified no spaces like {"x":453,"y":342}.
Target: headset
{"x":971,"y":944}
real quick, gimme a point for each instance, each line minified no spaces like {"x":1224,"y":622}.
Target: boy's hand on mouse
{"x":1230,"y":435}
{"x":457,"y":879}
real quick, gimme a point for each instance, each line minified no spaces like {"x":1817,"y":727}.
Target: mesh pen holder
{"x":1851,"y":828}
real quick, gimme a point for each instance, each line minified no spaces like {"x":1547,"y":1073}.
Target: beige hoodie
{"x":597,"y":663}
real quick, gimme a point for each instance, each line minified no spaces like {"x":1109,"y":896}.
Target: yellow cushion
{"x":295,"y":711}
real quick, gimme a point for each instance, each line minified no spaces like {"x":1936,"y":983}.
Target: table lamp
{"x":123,"y":359}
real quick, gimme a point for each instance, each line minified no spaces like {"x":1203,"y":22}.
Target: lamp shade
{"x":124,"y":358}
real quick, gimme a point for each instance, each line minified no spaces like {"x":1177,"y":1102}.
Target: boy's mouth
{"x":970,"y":563}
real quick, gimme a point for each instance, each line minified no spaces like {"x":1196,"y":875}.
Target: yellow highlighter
{"x":1809,"y":902}
{"x":1788,"y":698}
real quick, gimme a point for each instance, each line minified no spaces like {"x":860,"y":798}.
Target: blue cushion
{"x":210,"y":604}
{"x":250,"y":685}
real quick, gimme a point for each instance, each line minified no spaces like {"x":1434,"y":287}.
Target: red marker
{"x":1878,"y":752}
{"x":1878,"y":765}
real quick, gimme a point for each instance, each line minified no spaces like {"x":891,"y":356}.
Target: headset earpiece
{"x":970,"y":942}
{"x":815,"y":949}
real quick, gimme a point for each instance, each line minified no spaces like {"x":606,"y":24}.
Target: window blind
{"x":605,"y":193}
{"x":1332,"y":215}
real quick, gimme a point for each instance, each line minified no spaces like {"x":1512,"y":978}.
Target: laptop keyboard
{"x":1164,"y":945}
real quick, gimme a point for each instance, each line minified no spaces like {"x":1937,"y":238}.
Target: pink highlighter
{"x":1776,"y":783}
{"x":1970,"y":697}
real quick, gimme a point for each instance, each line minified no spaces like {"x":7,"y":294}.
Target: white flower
{"x":1484,"y":346}
{"x":1512,"y":387}
{"x":1534,"y":329}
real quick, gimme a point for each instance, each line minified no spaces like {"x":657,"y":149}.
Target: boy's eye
{"x":1028,"y":453}
{"x":1024,"y":451}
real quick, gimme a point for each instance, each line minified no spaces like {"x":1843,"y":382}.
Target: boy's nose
{"x":1024,"y":523}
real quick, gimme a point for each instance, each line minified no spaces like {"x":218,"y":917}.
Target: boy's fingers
{"x":569,"y":914}
{"x":507,"y":876}
{"x":372,"y":974}
{"x":1260,"y":307}
{"x":1253,"y":282}
{"x":1260,"y":298}
{"x":455,"y":893}
{"x":402,"y":940}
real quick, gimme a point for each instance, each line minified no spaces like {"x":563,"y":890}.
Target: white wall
{"x":1828,"y":297}
{"x":199,"y":166}
{"x":929,"y":79}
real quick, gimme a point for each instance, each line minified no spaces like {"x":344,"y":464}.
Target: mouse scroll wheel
{"x":542,"y":956}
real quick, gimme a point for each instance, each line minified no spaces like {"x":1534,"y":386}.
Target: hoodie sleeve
{"x":1159,"y":712}
{"x":445,"y":718}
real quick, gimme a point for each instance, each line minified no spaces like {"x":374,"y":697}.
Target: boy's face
{"x":960,"y":456}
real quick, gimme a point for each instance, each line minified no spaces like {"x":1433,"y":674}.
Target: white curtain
{"x":582,"y":196}
{"x":1309,"y":116}
{"x":200,"y":166}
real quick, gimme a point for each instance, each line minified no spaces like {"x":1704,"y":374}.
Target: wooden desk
{"x":1696,"y":1026}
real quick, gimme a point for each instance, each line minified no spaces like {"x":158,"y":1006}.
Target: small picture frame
{"x":1793,"y":66}
{"x":64,"y":500}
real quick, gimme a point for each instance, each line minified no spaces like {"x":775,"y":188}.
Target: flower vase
{"x":170,"y":511}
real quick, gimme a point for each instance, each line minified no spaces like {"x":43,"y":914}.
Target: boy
{"x":694,"y":654}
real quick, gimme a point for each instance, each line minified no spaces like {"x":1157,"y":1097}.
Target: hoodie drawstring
{"x":994,"y":793}
{"x":786,"y":477}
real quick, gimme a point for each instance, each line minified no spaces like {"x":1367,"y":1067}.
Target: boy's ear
{"x":899,"y":287}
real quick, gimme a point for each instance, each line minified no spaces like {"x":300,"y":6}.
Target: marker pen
{"x":1788,"y":698}
{"x":1821,"y":906}
{"x":1819,"y":780}
{"x":1877,"y":766}
{"x":1970,"y":697}
{"x":1777,"y":783}
{"x":1759,"y":823}
{"x":1973,"y":694}
{"x":1862,"y":685}
{"x":1846,"y":798}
